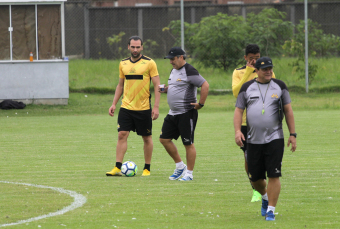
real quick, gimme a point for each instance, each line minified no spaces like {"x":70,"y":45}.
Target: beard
{"x":135,"y":55}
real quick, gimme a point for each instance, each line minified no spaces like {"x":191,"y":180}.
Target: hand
{"x":155,"y":113}
{"x":292,"y":140}
{"x":112,"y":110}
{"x":197,"y":106}
{"x":165,"y":90}
{"x":239,"y":138}
{"x":251,"y":63}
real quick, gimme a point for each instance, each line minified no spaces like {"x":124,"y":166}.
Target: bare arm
{"x":155,"y":110}
{"x":203,"y":95}
{"x":118,"y":94}
{"x":237,"y":126}
{"x":291,"y":125}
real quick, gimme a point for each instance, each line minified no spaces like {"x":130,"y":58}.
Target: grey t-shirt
{"x":182,"y":89}
{"x":266,"y":127}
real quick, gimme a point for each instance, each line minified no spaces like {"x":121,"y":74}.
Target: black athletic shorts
{"x":182,"y":124}
{"x":264,"y":158}
{"x":137,"y":121}
{"x":244,"y":132}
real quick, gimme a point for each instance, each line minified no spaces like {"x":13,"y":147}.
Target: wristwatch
{"x":202,"y":105}
{"x":293,"y":134}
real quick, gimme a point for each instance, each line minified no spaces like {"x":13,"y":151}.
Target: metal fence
{"x":87,"y":28}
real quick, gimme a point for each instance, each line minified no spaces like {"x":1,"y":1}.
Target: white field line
{"x":79,"y":200}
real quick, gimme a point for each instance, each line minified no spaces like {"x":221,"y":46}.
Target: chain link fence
{"x":89,"y":28}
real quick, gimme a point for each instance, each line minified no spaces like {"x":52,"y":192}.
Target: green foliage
{"x":319,"y":43}
{"x":119,"y":50}
{"x":269,"y":31}
{"x":150,"y":47}
{"x":299,"y":66}
{"x":115,"y":44}
{"x":219,"y":41}
{"x":174,"y":30}
{"x":216,"y":41}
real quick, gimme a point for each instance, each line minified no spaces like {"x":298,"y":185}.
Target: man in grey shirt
{"x":263,"y":97}
{"x":181,"y":121}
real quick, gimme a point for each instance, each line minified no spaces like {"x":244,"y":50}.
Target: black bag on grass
{"x":10,"y":104}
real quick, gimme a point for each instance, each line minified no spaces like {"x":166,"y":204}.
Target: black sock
{"x":119,"y":165}
{"x":147,"y":166}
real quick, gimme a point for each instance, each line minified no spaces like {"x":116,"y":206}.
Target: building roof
{"x":3,"y":2}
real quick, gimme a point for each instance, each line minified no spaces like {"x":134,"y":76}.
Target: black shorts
{"x":264,"y":158}
{"x":137,"y":121}
{"x":182,"y":124}
{"x":244,"y":132}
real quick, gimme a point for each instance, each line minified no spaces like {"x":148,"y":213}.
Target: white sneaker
{"x":178,"y":173}
{"x":187,"y":177}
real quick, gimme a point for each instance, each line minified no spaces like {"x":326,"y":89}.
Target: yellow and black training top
{"x":137,"y":77}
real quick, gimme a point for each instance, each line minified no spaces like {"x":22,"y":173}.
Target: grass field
{"x":103,"y":74}
{"x":71,"y":147}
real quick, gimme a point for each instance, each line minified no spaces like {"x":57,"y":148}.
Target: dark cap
{"x":264,"y":62}
{"x":175,"y":51}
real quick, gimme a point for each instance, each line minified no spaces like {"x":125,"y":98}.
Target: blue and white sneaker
{"x":264,"y":207}
{"x":178,"y":173}
{"x":270,"y":216}
{"x":187,"y":177}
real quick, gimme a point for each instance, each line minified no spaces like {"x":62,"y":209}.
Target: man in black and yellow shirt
{"x":241,"y":76}
{"x":136,"y":113}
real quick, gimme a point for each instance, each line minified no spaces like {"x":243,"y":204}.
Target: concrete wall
{"x":39,"y":82}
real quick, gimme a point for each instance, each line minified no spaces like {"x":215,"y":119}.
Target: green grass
{"x":102,"y":75}
{"x":72,"y":147}
{"x":74,"y":152}
{"x":98,"y":104}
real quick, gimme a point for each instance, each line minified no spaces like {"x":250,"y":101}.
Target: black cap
{"x":264,"y":62}
{"x":175,"y":51}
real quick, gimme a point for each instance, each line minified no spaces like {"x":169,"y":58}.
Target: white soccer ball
{"x":129,"y":169}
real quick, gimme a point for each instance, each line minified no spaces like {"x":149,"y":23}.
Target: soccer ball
{"x":129,"y":169}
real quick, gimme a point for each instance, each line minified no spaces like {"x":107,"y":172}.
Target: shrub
{"x":269,"y":31}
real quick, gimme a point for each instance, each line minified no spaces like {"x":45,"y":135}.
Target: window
{"x":30,"y":28}
{"x":4,"y":34}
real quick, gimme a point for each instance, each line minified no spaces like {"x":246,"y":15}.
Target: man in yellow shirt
{"x":136,"y":114}
{"x":241,"y":76}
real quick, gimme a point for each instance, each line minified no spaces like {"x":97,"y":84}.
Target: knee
{"x":122,"y":135}
{"x":147,"y":139}
{"x":164,"y":141}
{"x":260,"y":183}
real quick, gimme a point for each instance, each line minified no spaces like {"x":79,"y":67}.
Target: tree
{"x":220,"y":41}
{"x":269,"y":31}
{"x":319,"y":45}
{"x":216,"y":41}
